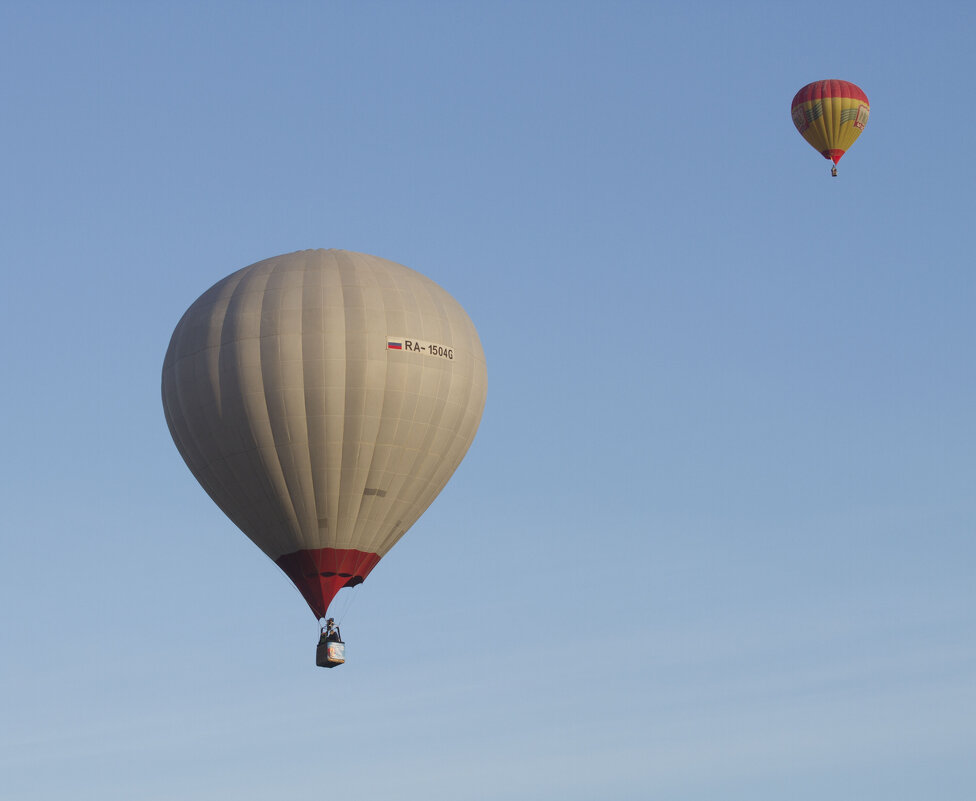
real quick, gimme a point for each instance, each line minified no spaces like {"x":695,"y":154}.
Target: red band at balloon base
{"x":319,"y":573}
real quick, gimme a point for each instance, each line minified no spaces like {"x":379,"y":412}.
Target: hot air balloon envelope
{"x":830,"y":115}
{"x":323,"y":399}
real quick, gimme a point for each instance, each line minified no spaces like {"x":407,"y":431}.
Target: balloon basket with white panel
{"x":331,"y":650}
{"x":330,"y":654}
{"x":323,"y":399}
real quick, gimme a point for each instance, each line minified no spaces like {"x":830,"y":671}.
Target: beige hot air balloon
{"x":323,"y":399}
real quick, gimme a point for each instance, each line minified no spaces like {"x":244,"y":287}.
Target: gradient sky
{"x":714,"y":539}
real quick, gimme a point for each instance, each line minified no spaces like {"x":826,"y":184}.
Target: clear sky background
{"x":714,"y":539}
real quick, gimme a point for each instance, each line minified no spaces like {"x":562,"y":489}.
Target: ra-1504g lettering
{"x":419,"y":346}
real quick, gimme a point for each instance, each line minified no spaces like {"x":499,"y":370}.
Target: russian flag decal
{"x":394,"y":344}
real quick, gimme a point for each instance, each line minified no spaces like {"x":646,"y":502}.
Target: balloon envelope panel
{"x":323,"y":399}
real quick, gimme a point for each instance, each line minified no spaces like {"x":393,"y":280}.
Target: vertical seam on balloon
{"x":371,"y":479}
{"x":219,"y":310}
{"x":309,"y":538}
{"x":235,"y":297}
{"x":365,"y":276}
{"x":327,"y":561}
{"x":822,"y":119}
{"x":394,"y":483}
{"x":283,"y":492}
{"x":835,"y":119}
{"x":396,"y":509}
{"x":294,"y":469}
{"x":829,"y":132}
{"x":340,"y":520}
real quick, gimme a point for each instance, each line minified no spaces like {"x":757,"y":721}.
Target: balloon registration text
{"x":419,"y":346}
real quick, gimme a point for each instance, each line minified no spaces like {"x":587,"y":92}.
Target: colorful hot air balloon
{"x":323,"y":399}
{"x":830,"y":115}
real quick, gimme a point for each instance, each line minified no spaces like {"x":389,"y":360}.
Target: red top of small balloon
{"x":821,"y":90}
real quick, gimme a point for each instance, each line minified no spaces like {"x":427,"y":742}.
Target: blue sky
{"x":715,"y":536}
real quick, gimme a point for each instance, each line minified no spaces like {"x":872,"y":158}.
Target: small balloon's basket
{"x":330,"y":653}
